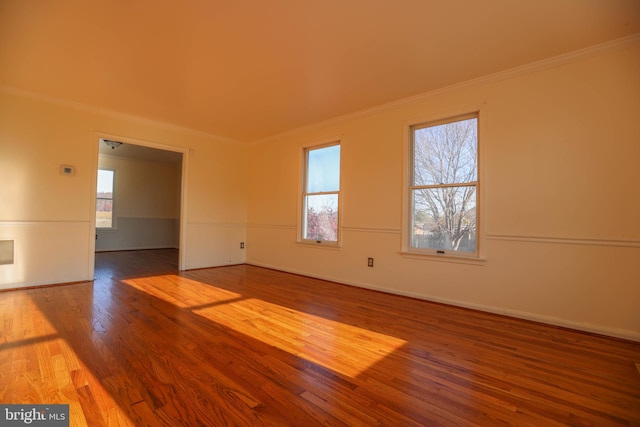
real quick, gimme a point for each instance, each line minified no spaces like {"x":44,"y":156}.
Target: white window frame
{"x":113,"y":203}
{"x":303,"y":196}
{"x":407,"y":250}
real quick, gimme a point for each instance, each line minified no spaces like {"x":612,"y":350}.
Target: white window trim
{"x":322,"y":244}
{"x":479,"y":257}
{"x":113,"y":203}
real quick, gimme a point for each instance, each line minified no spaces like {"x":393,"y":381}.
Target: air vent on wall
{"x":6,"y":252}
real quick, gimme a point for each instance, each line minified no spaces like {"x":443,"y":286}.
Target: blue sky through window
{"x":323,"y":169}
{"x":105,"y":181}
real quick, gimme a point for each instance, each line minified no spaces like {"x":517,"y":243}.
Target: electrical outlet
{"x":241,"y":245}
{"x":369,"y":262}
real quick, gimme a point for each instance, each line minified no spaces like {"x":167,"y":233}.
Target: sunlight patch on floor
{"x":40,"y":367}
{"x":345,"y":349}
{"x":341,"y":347}
{"x":180,"y":291}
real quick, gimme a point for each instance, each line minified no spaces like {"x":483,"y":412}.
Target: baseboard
{"x":548,"y":320}
{"x":49,"y":283}
{"x":190,"y":268}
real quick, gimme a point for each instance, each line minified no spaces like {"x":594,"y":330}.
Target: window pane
{"x":104,"y":202}
{"x":323,"y":169}
{"x":321,"y":217}
{"x":446,"y":154}
{"x":444,"y":218}
{"x":105,"y":183}
{"x":104,"y":213}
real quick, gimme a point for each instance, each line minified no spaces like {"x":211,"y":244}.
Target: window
{"x":444,"y":186}
{"x":104,"y":199}
{"x":321,"y":194}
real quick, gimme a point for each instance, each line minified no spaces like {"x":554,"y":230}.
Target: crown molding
{"x":555,"y":61}
{"x":113,"y":114}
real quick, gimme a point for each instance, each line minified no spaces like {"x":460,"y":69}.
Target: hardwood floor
{"x":244,"y":346}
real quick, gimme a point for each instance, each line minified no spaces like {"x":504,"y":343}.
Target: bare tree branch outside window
{"x":445,"y":179}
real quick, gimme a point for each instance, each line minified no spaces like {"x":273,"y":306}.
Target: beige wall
{"x":50,"y":216}
{"x":560,"y":197}
{"x":143,"y":188}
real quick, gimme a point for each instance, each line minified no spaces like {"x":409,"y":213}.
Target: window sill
{"x":330,"y":246}
{"x":445,"y":258}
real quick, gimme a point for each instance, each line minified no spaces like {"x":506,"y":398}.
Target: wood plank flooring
{"x":247,"y":346}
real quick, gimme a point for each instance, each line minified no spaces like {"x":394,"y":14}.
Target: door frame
{"x":182,"y":240}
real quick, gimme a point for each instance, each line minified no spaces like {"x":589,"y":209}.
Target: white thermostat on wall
{"x":67,"y":170}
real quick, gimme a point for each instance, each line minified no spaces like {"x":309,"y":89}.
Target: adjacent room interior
{"x":138,"y":197}
{"x":334,"y":213}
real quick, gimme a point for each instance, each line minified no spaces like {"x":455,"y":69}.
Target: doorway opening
{"x":139,"y":198}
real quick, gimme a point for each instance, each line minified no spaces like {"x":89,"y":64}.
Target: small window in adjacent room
{"x":104,"y":199}
{"x":321,"y":194}
{"x":444,"y":187}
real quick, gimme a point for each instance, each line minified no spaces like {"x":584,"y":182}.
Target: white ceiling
{"x":248,"y":69}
